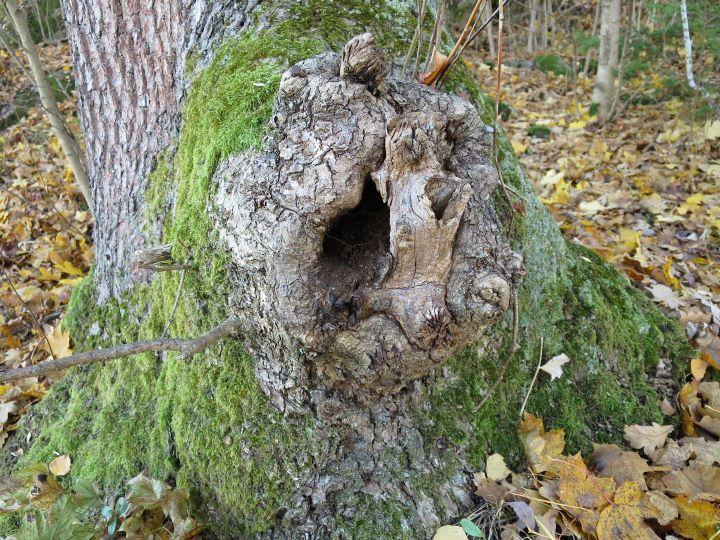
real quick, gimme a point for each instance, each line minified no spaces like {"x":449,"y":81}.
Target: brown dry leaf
{"x":696,"y":481}
{"x":490,"y":490}
{"x":647,"y":437}
{"x":609,"y":460}
{"x":710,"y":424}
{"x":705,"y":452}
{"x":578,"y":487}
{"x":624,"y":519}
{"x":439,"y":63}
{"x":699,"y":520}
{"x":689,"y":405}
{"x":60,"y":466}
{"x":541,"y":448}
{"x":671,"y":455}
{"x":667,"y":408}
{"x":664,"y":508}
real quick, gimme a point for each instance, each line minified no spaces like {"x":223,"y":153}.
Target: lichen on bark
{"x":208,"y":425}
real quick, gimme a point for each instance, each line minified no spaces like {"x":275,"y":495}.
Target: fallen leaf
{"x":647,"y":437}
{"x":624,"y":519}
{"x":698,"y":368}
{"x":699,"y":520}
{"x":665,"y":509}
{"x":697,"y":481}
{"x":496,"y":469}
{"x":665,"y":295}
{"x":542,"y":449}
{"x":553,"y":367}
{"x":705,"y":452}
{"x":584,"y":493}
{"x":525,"y":515}
{"x":439,"y":63}
{"x":667,"y":408}
{"x":60,"y":466}
{"x":450,"y":532}
{"x":59,"y":342}
{"x":609,"y":460}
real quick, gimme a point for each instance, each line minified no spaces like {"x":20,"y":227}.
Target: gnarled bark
{"x":366,"y":232}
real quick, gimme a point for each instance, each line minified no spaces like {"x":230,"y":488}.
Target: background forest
{"x":614,"y":109}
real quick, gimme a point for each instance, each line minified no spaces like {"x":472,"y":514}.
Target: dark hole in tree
{"x":355,"y":248}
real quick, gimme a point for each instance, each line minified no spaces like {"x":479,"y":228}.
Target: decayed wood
{"x":366,"y":246}
{"x":186,"y":347}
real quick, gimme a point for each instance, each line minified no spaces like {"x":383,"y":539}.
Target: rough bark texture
{"x":129,"y":59}
{"x":365,"y":236}
{"x":354,"y":220}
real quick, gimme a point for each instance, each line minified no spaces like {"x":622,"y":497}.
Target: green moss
{"x":579,"y":305}
{"x":551,"y":63}
{"x":539,"y":130}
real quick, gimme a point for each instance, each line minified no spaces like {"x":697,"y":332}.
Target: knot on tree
{"x":365,"y":242}
{"x":363,"y":62}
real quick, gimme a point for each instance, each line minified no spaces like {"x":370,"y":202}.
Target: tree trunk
{"x":487,"y":12}
{"x":532,"y":27}
{"x":688,"y":46}
{"x":608,"y":56}
{"x":355,"y":221}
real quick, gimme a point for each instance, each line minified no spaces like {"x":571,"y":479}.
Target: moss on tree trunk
{"x":207,"y":425}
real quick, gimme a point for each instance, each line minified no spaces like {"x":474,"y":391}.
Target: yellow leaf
{"x":691,"y":204}
{"x":60,"y":466}
{"x":59,"y":342}
{"x":667,"y":272}
{"x":69,"y":268}
{"x":518,"y":147}
{"x":630,"y":237}
{"x":541,"y":449}
{"x":578,"y":124}
{"x":625,"y":518}
{"x":712,"y":130}
{"x":698,"y":368}
{"x":699,"y":520}
{"x":496,"y":469}
{"x":450,"y":532}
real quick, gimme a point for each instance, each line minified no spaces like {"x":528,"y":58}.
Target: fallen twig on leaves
{"x":186,"y":347}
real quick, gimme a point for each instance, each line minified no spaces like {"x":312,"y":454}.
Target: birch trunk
{"x":688,"y":46}
{"x":608,"y":56}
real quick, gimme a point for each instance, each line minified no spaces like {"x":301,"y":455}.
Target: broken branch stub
{"x":365,"y":243}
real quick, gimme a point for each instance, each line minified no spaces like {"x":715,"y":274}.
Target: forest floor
{"x":643,"y":191}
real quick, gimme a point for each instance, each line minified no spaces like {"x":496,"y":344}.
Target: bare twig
{"x":488,"y":21}
{"x":30,"y":311}
{"x":501,"y":19}
{"x":511,"y":353}
{"x":435,"y":37}
{"x":416,"y":39}
{"x":532,"y":383}
{"x":186,"y":347}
